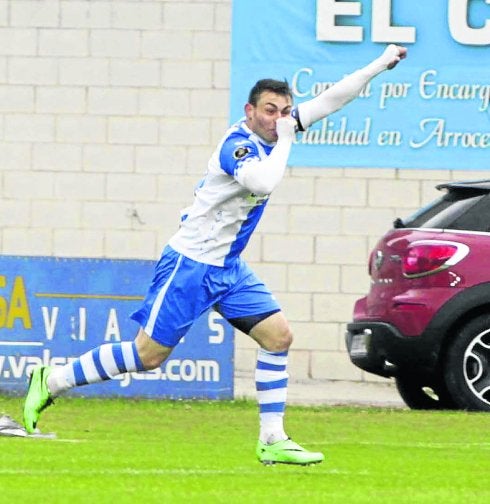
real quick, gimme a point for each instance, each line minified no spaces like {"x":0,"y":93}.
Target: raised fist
{"x":392,"y":55}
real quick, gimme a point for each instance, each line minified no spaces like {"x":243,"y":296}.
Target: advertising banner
{"x":431,"y":111}
{"x":54,"y":309}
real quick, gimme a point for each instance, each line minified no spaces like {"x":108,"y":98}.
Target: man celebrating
{"x":201,"y":267}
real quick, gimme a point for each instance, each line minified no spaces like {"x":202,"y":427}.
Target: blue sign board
{"x":431,"y":111}
{"x":54,"y":309}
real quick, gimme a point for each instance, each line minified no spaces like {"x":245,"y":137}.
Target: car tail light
{"x":430,"y":256}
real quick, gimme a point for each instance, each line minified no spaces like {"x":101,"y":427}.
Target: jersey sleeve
{"x":295,"y":115}
{"x":235,"y":152}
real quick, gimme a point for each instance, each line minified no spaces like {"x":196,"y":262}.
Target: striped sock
{"x":100,"y":364}
{"x":271,"y":380}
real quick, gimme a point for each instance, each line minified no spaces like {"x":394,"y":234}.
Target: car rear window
{"x":462,"y":210}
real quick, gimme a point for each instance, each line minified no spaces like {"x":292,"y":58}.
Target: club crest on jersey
{"x":241,"y":152}
{"x":255,"y":199}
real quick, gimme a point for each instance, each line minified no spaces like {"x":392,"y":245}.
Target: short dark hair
{"x":275,"y":86}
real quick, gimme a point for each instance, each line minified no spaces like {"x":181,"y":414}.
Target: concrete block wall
{"x":109,"y":112}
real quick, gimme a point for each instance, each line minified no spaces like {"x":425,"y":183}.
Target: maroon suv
{"x":426,"y":318}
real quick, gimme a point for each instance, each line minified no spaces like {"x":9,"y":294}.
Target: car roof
{"x":466,"y":185}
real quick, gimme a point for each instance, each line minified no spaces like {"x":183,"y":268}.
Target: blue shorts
{"x":183,"y":289}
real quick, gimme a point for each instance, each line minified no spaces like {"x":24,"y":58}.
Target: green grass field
{"x":118,"y":451}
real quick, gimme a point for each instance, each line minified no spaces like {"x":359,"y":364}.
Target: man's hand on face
{"x":286,"y":128}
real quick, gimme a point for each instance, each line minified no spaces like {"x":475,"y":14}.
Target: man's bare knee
{"x":273,"y":334}
{"x":279,"y":342}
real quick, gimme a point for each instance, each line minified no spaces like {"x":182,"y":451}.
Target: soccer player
{"x":201,"y":268}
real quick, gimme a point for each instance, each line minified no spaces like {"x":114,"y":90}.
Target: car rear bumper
{"x":380,"y":348}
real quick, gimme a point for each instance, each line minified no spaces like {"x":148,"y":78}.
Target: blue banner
{"x":54,"y":309}
{"x":431,"y":111}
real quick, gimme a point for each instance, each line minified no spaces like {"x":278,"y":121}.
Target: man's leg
{"x":100,"y":364}
{"x":274,"y":337}
{"x":271,"y":377}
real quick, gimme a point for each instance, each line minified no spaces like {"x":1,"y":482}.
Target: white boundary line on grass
{"x":435,"y":445}
{"x":173,"y":472}
{"x":485,"y":446}
{"x":464,"y":446}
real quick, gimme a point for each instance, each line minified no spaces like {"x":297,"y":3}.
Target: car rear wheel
{"x":467,"y":365}
{"x":428,"y":393}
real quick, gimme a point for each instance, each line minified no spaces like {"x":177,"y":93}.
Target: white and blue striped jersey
{"x":218,"y":225}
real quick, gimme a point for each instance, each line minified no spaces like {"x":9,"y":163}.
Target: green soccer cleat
{"x":38,"y":397}
{"x":287,"y":452}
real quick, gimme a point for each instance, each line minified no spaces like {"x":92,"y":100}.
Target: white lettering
{"x":153,"y":374}
{"x":82,"y":328}
{"x":381,"y":28}
{"x":326,"y":26}
{"x":459,"y":28}
{"x":179,"y":370}
{"x":32,"y":362}
{"x":393,"y":90}
{"x":295,"y":87}
{"x":49,"y":321}
{"x":112,"y":332}
{"x":303,"y":88}
{"x":169,"y":370}
{"x":389,"y":138}
{"x":215,"y":324}
{"x":424,"y":82}
{"x":186,"y":370}
{"x":82,"y":324}
{"x":330,"y":133}
{"x":17,"y":365}
{"x":435,"y":129}
{"x":125,"y":379}
{"x":430,"y":88}
{"x":207,"y":370}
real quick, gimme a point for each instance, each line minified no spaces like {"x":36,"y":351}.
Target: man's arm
{"x":344,"y":91}
{"x":262,"y":176}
